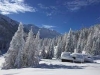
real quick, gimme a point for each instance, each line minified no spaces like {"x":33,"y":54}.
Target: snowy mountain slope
{"x":44,"y":32}
{"x":55,"y":67}
{"x":8,"y":27}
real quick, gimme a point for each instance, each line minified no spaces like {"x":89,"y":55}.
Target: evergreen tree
{"x":96,"y":42}
{"x":28,"y":58}
{"x":58,"y":48}
{"x":82,"y":40}
{"x":75,"y":39}
{"x":43,"y":52}
{"x":13,"y":57}
{"x":97,"y":51}
{"x":36,"y":49}
{"x":50,"y":50}
{"x":69,"y":42}
{"x":89,"y":44}
{"x":79,"y":43}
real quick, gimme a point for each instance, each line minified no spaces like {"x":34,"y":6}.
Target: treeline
{"x":26,"y":52}
{"x":87,"y":39}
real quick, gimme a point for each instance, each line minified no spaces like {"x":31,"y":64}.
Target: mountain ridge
{"x":9,"y":26}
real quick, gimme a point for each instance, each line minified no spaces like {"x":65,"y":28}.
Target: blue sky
{"x":60,"y":15}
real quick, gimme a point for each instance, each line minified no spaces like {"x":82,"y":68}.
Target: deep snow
{"x":55,"y":67}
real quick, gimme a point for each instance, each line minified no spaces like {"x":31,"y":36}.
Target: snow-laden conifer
{"x":69,"y":42}
{"x":13,"y":57}
{"x":36,"y":49}
{"x":28,"y":57}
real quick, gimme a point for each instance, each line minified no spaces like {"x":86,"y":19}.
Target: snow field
{"x":55,"y":67}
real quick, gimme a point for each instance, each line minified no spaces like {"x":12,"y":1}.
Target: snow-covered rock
{"x":78,"y":57}
{"x":65,"y":56}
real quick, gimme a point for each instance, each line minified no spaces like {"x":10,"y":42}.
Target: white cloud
{"x":98,"y":18}
{"x":14,"y":6}
{"x":48,"y":10}
{"x":48,"y":26}
{"x":42,"y":6}
{"x":77,"y":4}
{"x":47,"y":7}
{"x":49,"y":14}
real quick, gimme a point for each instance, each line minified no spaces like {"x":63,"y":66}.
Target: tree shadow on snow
{"x":45,"y":66}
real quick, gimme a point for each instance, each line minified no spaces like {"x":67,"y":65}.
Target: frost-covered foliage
{"x":14,"y":56}
{"x":22,"y":54}
{"x":26,"y":54}
{"x":69,"y":42}
{"x":86,"y":40}
{"x":36,"y":49}
{"x":29,"y":52}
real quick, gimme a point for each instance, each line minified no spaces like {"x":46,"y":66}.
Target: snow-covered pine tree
{"x":58,"y":48}
{"x":89,"y":44}
{"x":43,"y":53}
{"x":36,"y":44}
{"x":44,"y":48}
{"x":64,"y":38}
{"x":50,"y":50}
{"x":83,"y":40}
{"x":13,"y":57}
{"x":97,"y":51}
{"x":96,"y":42}
{"x":75,"y":39}
{"x":79,"y":47}
{"x":28,"y":57}
{"x":69,"y":42}
{"x":47,"y":48}
{"x":55,"y":51}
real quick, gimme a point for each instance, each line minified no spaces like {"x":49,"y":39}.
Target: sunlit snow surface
{"x":55,"y":67}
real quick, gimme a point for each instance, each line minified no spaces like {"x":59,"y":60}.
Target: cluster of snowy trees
{"x":22,"y":53}
{"x":25,"y":52}
{"x":85,"y":40}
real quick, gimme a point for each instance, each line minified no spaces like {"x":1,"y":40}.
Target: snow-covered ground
{"x":55,"y":67}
